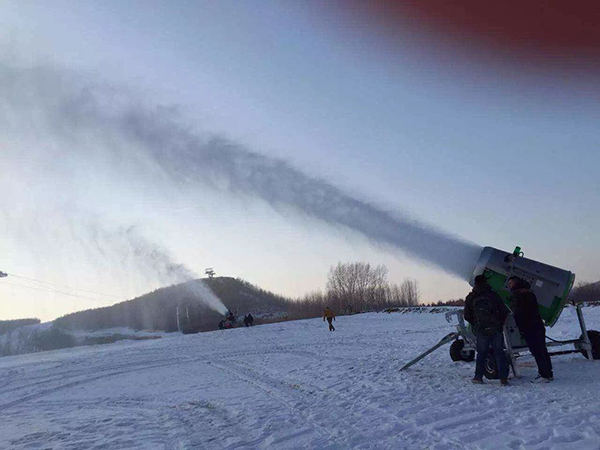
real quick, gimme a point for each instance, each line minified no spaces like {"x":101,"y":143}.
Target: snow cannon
{"x":550,"y":284}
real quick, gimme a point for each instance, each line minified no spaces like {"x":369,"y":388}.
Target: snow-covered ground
{"x":295,"y":385}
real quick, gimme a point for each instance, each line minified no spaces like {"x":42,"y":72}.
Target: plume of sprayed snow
{"x":112,"y":251}
{"x":127,"y":246}
{"x":72,"y":109}
{"x":199,"y":290}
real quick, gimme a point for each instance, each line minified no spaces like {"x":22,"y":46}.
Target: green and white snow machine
{"x":551,"y":286}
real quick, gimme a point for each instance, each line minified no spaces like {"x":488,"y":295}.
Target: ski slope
{"x":295,"y":385}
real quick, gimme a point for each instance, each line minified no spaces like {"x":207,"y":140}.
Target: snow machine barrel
{"x":550,"y":284}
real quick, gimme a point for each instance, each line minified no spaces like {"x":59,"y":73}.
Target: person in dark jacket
{"x":487,"y":313}
{"x":248,"y":320}
{"x":529,"y":321}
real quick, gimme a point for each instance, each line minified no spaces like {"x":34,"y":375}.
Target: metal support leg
{"x":586,"y":343}
{"x":444,"y":340}
{"x":511,"y":355}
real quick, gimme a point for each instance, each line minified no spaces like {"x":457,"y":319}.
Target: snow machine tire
{"x":490,"y":369}
{"x":458,"y":354}
{"x":595,"y":341}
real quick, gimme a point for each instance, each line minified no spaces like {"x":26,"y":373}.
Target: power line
{"x":42,"y":289}
{"x":63,"y":286}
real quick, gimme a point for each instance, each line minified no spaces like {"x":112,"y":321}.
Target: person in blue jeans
{"x":487,"y":313}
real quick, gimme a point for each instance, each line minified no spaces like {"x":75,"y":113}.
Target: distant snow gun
{"x":229,"y":321}
{"x":551,"y":286}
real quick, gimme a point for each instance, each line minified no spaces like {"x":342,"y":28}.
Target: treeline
{"x":586,"y":292}
{"x":455,"y":302}
{"x":40,"y":339}
{"x":29,"y":340}
{"x":356,"y":287}
{"x":6,"y":326}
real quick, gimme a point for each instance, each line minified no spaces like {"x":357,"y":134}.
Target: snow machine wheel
{"x":490,"y":369}
{"x":458,"y":354}
{"x":595,"y":341}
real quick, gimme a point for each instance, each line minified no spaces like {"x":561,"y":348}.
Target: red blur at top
{"x":545,"y":31}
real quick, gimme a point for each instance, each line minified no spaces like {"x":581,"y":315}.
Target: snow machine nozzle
{"x":516,"y":253}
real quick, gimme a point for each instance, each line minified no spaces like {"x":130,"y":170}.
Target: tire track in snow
{"x":362,"y":403}
{"x":88,"y":379}
{"x":280,"y":390}
{"x":272,"y":390}
{"x":192,"y":427}
{"x":75,"y":368}
{"x":99,"y":423}
{"x":119,"y":369}
{"x":82,"y":377}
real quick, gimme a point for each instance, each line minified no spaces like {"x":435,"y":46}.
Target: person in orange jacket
{"x":328,"y":314}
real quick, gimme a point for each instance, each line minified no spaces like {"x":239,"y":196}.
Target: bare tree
{"x":357,"y":284}
{"x":409,"y":292}
{"x":394,"y":296}
{"x":311,"y":305}
{"x":378,"y":285}
{"x":354,"y":287}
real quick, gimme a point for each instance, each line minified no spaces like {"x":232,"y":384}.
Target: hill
{"x":157,"y":310}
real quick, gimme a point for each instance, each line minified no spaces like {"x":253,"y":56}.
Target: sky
{"x":490,"y":138}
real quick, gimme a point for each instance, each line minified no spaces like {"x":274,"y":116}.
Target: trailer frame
{"x":582,"y":345}
{"x":464,"y":332}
